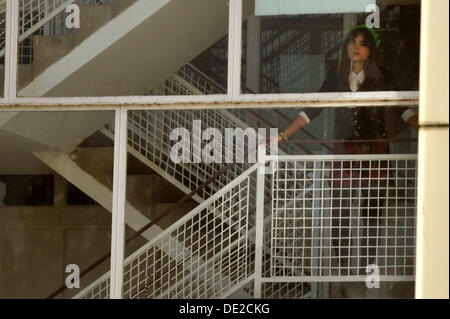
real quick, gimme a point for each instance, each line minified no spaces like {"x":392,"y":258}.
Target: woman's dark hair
{"x":373,"y":75}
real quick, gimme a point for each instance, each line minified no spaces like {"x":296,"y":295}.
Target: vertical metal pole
{"x":234,"y":48}
{"x":317,"y":225}
{"x":259,"y":230}
{"x":324,"y":287}
{"x":118,"y":204}
{"x":355,"y":234}
{"x":11,"y":43}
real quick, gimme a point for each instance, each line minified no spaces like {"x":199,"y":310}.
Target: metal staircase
{"x":148,"y":140}
{"x":221,"y":230}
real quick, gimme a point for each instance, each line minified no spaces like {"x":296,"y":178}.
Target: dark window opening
{"x":28,"y":190}
{"x":76,"y":197}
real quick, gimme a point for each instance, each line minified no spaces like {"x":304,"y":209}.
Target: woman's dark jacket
{"x":360,"y":122}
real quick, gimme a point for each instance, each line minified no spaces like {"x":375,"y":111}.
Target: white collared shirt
{"x":356,"y":79}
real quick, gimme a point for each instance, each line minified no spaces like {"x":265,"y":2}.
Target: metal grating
{"x":332,"y":218}
{"x":213,"y":257}
{"x":156,"y":149}
{"x":33,"y":14}
{"x":100,"y":289}
{"x":149,"y":134}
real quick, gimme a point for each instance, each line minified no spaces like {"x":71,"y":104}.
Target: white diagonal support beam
{"x":62,"y":164}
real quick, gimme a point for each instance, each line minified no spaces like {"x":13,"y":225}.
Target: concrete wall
{"x":38,"y":242}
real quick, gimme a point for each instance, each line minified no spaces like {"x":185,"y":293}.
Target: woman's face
{"x":358,"y":49}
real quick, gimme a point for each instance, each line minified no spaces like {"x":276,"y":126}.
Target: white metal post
{"x":259,"y":227}
{"x":234,"y":48}
{"x":317,"y":212}
{"x":323,"y":288}
{"x":11,"y":43}
{"x":355,"y":234}
{"x":118,"y":205}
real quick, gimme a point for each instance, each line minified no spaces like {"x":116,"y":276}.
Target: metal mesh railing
{"x":307,"y":244}
{"x":211,"y":260}
{"x":33,"y":14}
{"x":149,"y":134}
{"x":333,"y":217}
{"x":2,"y":28}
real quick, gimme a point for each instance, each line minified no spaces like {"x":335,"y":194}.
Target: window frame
{"x":234,"y":98}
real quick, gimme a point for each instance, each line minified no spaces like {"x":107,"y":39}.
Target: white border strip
{"x":41,"y":23}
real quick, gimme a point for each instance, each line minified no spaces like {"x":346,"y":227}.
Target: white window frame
{"x":121,"y":104}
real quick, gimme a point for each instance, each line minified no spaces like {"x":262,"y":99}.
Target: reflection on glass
{"x":55,"y":203}
{"x":122,"y":47}
{"x":294,"y":53}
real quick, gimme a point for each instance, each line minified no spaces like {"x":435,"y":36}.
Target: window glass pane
{"x":55,"y":203}
{"x":121,"y":48}
{"x":208,"y":238}
{"x":297,"y":47}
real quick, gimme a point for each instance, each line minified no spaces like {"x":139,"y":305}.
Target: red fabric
{"x":350,"y":174}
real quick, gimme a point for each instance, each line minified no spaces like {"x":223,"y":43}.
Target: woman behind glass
{"x":357,"y":71}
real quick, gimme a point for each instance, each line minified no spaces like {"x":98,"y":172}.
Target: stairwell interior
{"x":57,"y":167}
